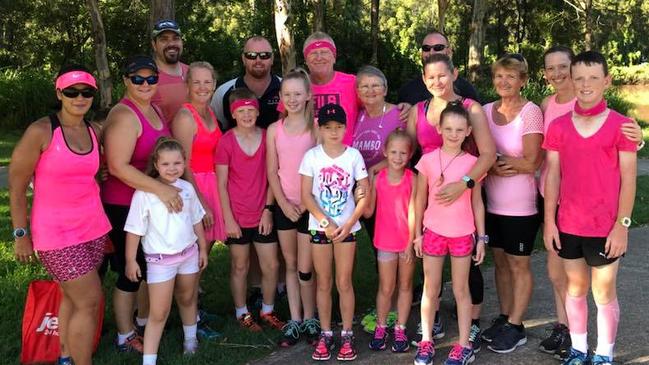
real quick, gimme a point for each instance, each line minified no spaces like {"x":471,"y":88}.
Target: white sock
{"x":579,"y":342}
{"x":328,"y":333}
{"x":267,"y":308}
{"x":121,"y":338}
{"x":241,"y":311}
{"x":605,"y":349}
{"x":347,"y":333}
{"x":190,"y":331}
{"x":141,"y":321}
{"x":149,"y":359}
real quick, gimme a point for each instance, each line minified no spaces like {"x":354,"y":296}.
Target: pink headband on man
{"x":243,"y":102}
{"x":75,"y":77}
{"x":319,"y":44}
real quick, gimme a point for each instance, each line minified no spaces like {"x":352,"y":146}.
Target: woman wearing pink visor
{"x":68,"y":227}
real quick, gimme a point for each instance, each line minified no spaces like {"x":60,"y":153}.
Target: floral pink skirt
{"x":73,"y":262}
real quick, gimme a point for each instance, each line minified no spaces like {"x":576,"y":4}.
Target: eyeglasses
{"x":254,"y":55}
{"x":366,"y":88}
{"x":73,"y":93}
{"x":139,"y":80}
{"x":434,"y":47}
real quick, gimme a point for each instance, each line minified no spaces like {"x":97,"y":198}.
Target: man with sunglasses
{"x":167,"y":46}
{"x":415,"y":91}
{"x":257,"y":58}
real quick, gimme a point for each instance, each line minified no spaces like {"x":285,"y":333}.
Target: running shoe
{"x":508,"y":339}
{"x":557,"y":335}
{"x":205,"y":332}
{"x":496,"y":325}
{"x":311,"y":328}
{"x":577,"y":357}
{"x":64,"y":361}
{"x":271,"y":320}
{"x":425,"y":353}
{"x":460,"y":355}
{"x":205,"y":317}
{"x":347,"y":350}
{"x":190,"y":347}
{"x":322,"y":351}
{"x":563,"y":351}
{"x":438,"y":332}
{"x":248,"y":322}
{"x":400,"y":343}
{"x":378,"y":342}
{"x":291,"y":335}
{"x":134,"y":343}
{"x":475,"y":338}
{"x":601,"y":360}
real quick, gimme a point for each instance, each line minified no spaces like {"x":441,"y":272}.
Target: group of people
{"x":291,"y":166}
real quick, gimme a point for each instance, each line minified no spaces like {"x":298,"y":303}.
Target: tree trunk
{"x":161,"y":9}
{"x":319,"y":8}
{"x":589,"y":41}
{"x":375,"y":32}
{"x":284,"y":36}
{"x":99,"y":37}
{"x":476,"y":41}
{"x":442,"y":5}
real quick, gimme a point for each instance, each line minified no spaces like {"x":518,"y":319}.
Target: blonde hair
{"x":512,"y":61}
{"x":162,"y":144}
{"x":398,"y":133}
{"x":300,"y":74}
{"x":200,"y":64}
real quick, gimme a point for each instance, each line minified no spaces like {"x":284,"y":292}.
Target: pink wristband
{"x":243,"y":102}
{"x":319,"y":44}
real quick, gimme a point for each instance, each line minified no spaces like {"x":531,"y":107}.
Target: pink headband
{"x":75,"y":77}
{"x":243,"y":102}
{"x":319,"y":44}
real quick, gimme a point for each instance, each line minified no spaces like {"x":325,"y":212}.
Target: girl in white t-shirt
{"x":329,"y":172}
{"x":169,"y":241}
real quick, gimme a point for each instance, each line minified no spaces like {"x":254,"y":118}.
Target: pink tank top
{"x":290,"y":150}
{"x":66,"y":209}
{"x":427,"y":135}
{"x":205,"y":142}
{"x":552,"y":111}
{"x":391,"y":232}
{"x":114,"y":191}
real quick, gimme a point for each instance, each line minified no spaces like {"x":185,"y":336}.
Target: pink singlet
{"x":553,"y":111}
{"x":114,"y":191}
{"x":290,"y":151}
{"x":391,"y":230}
{"x":427,"y":135}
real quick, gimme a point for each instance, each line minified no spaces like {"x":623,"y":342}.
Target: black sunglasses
{"x":73,"y":93}
{"x":139,"y":80}
{"x":434,"y":47}
{"x":254,"y":55}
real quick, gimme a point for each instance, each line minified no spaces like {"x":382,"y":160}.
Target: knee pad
{"x":304,"y":276}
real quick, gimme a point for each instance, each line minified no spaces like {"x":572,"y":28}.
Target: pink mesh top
{"x":205,"y":142}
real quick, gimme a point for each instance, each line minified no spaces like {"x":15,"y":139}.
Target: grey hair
{"x":371,"y":71}
{"x":315,"y":36}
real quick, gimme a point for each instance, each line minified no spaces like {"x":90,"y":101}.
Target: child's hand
{"x":133,"y":272}
{"x":266,"y":224}
{"x":416,"y":245}
{"x":341,"y":233}
{"x":232,"y":229}
{"x":292,"y":212}
{"x":359,"y":194}
{"x":203,"y":259}
{"x":551,"y":237}
{"x":478,"y":258}
{"x":616,"y":242}
{"x":331,"y":229}
{"x":208,"y":218}
{"x":450,"y":192}
{"x":408,"y":254}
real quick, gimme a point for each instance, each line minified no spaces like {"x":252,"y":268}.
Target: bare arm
{"x":231,"y":227}
{"x":411,"y":127}
{"x":133,"y":270}
{"x":421,"y":198}
{"x":483,"y":140}
{"x":371,"y":201}
{"x":532,"y":155}
{"x":552,"y":183}
{"x":291,"y":211}
{"x":479,"y":219}
{"x":617,"y":240}
{"x":344,"y":230}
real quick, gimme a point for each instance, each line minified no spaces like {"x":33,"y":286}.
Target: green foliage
{"x":24,"y":97}
{"x":631,"y":75}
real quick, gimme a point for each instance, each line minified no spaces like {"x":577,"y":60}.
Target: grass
{"x":7,"y":143}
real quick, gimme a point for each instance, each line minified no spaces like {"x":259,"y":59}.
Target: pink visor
{"x":319,"y":44}
{"x":243,"y":102}
{"x":75,"y":77}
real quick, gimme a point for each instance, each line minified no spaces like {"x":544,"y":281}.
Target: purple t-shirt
{"x":371,"y":133}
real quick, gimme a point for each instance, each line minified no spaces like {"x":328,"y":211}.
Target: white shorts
{"x":166,"y":267}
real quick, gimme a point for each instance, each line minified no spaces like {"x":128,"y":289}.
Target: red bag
{"x":40,"y":337}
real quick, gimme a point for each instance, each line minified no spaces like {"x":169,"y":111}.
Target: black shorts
{"x":515,"y":235}
{"x":282,"y":223}
{"x":319,"y":238}
{"x":250,"y":235}
{"x":117,"y":216}
{"x":592,"y":249}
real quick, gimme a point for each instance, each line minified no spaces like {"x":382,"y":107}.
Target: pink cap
{"x":320,"y":43}
{"x":75,"y":77}
{"x":243,"y":102}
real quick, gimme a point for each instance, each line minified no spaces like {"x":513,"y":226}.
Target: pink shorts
{"x":436,"y":245}
{"x":73,"y":262}
{"x":161,"y":268}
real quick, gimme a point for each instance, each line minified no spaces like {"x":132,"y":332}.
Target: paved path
{"x":633,"y":335}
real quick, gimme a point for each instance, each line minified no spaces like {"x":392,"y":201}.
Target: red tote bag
{"x":40,"y":336}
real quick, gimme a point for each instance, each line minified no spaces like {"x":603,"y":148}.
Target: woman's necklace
{"x":440,"y":181}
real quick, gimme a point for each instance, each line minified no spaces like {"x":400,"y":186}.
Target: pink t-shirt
{"x":171,"y":92}
{"x":391,"y":232}
{"x":455,"y":220}
{"x":247,"y":181}
{"x":553,"y":111}
{"x":590,"y":174}
{"x":513,"y":195}
{"x":340,"y":90}
{"x":290,"y":151}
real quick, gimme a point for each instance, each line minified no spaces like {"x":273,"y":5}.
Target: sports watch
{"x":470,"y":183}
{"x":484,"y":238}
{"x":20,"y":232}
{"x":625,"y":222}
{"x":324,"y":223}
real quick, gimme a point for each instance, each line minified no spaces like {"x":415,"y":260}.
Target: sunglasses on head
{"x":73,"y":93}
{"x":434,"y":47}
{"x":517,"y":56}
{"x":139,"y":80}
{"x":254,"y":55}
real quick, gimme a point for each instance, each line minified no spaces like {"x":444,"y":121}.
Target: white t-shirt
{"x":333,"y":182}
{"x":164,"y":232}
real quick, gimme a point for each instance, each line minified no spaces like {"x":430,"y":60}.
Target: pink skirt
{"x":207,"y":185}
{"x":73,"y":262}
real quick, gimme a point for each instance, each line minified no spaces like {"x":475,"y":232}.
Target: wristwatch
{"x":324,"y":223}
{"x":484,"y":238}
{"x":470,"y":183}
{"x":270,"y":208}
{"x":641,"y":145}
{"x":20,"y":232}
{"x":625,"y":222}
